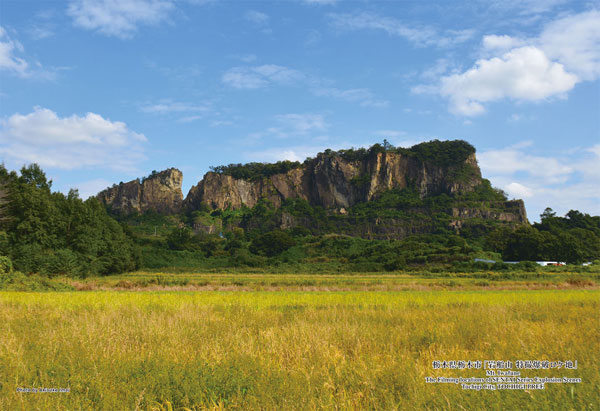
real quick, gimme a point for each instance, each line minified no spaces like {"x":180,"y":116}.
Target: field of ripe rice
{"x":291,"y":350}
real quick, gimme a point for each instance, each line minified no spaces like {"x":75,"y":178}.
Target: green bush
{"x":64,"y":262}
{"x":272,"y":243}
{"x":6,"y":266}
{"x":243,"y":258}
{"x":529,"y":266}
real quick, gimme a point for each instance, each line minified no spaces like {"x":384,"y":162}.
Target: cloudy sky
{"x":102,"y":91}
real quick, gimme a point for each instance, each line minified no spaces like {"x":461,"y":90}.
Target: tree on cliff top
{"x":442,"y":153}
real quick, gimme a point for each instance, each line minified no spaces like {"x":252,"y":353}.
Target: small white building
{"x":546,"y":263}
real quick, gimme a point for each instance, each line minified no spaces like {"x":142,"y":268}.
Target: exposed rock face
{"x":513,"y":212}
{"x":332,"y":182}
{"x":160,"y":192}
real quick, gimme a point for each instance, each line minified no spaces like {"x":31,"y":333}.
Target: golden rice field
{"x":154,"y":281}
{"x":291,"y":350}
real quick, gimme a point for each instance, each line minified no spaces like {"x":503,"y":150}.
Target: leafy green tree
{"x":547,"y":214}
{"x":272,"y":243}
{"x":5,"y":265}
{"x":180,"y":238}
{"x":52,"y":233}
{"x":525,"y":243}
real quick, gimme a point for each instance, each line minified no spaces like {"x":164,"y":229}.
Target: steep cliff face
{"x":331,"y":181}
{"x":160,"y":192}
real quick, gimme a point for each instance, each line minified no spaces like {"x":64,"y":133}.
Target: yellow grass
{"x":291,"y":350}
{"x":416,"y":281}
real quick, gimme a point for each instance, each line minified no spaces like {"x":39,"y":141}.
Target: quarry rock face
{"x":514,"y":212}
{"x":330,"y":181}
{"x":333,"y":182}
{"x":160,"y":192}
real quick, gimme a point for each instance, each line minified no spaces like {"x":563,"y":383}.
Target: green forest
{"x":50,"y":233}
{"x":443,"y":153}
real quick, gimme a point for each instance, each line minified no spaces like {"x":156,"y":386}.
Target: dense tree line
{"x":255,"y":171}
{"x":300,"y":248}
{"x":48,"y":232}
{"x":574,"y":238}
{"x":442,"y":153}
{"x":51,"y":233}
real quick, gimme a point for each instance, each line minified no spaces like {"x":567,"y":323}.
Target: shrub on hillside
{"x":272,"y":243}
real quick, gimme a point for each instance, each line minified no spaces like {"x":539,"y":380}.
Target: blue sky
{"x":104,"y":91}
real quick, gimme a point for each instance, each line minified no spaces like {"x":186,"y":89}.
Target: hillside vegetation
{"x":49,"y":233}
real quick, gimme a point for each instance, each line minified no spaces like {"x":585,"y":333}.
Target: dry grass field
{"x":347,"y":350}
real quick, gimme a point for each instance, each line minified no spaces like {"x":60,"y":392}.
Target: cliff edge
{"x":159,"y":192}
{"x":338,"y":180}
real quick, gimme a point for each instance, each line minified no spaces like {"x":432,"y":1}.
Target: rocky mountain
{"x":443,"y":178}
{"x":160,"y":192}
{"x":332,"y":182}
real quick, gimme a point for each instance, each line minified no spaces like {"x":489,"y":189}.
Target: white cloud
{"x":294,"y":153}
{"x":302,"y":123}
{"x":524,"y":73}
{"x":440,"y":67}
{"x":515,"y":117}
{"x":276,"y":154}
{"x":525,"y":7}
{"x":596,"y":151}
{"x":420,"y":36}
{"x":566,"y":52}
{"x":501,"y":43}
{"x":519,"y":190}
{"x":256,"y":17}
{"x":278,"y":74}
{"x":512,"y":160}
{"x":391,"y":26}
{"x":9,"y":61}
{"x":89,"y":141}
{"x":292,"y":125}
{"x":575,"y":42}
{"x":39,"y":31}
{"x":118,"y":18}
{"x":271,"y":74}
{"x":169,"y":106}
{"x":312,"y":38}
{"x":260,"y":76}
{"x":189,"y":111}
{"x":257,"y":77}
{"x":568,"y":181}
{"x":243,"y":78}
{"x":589,"y":164}
{"x":43,"y":25}
{"x":92,"y":187}
{"x":572,"y":40}
{"x":362,"y":96}
{"x":453,"y":37}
